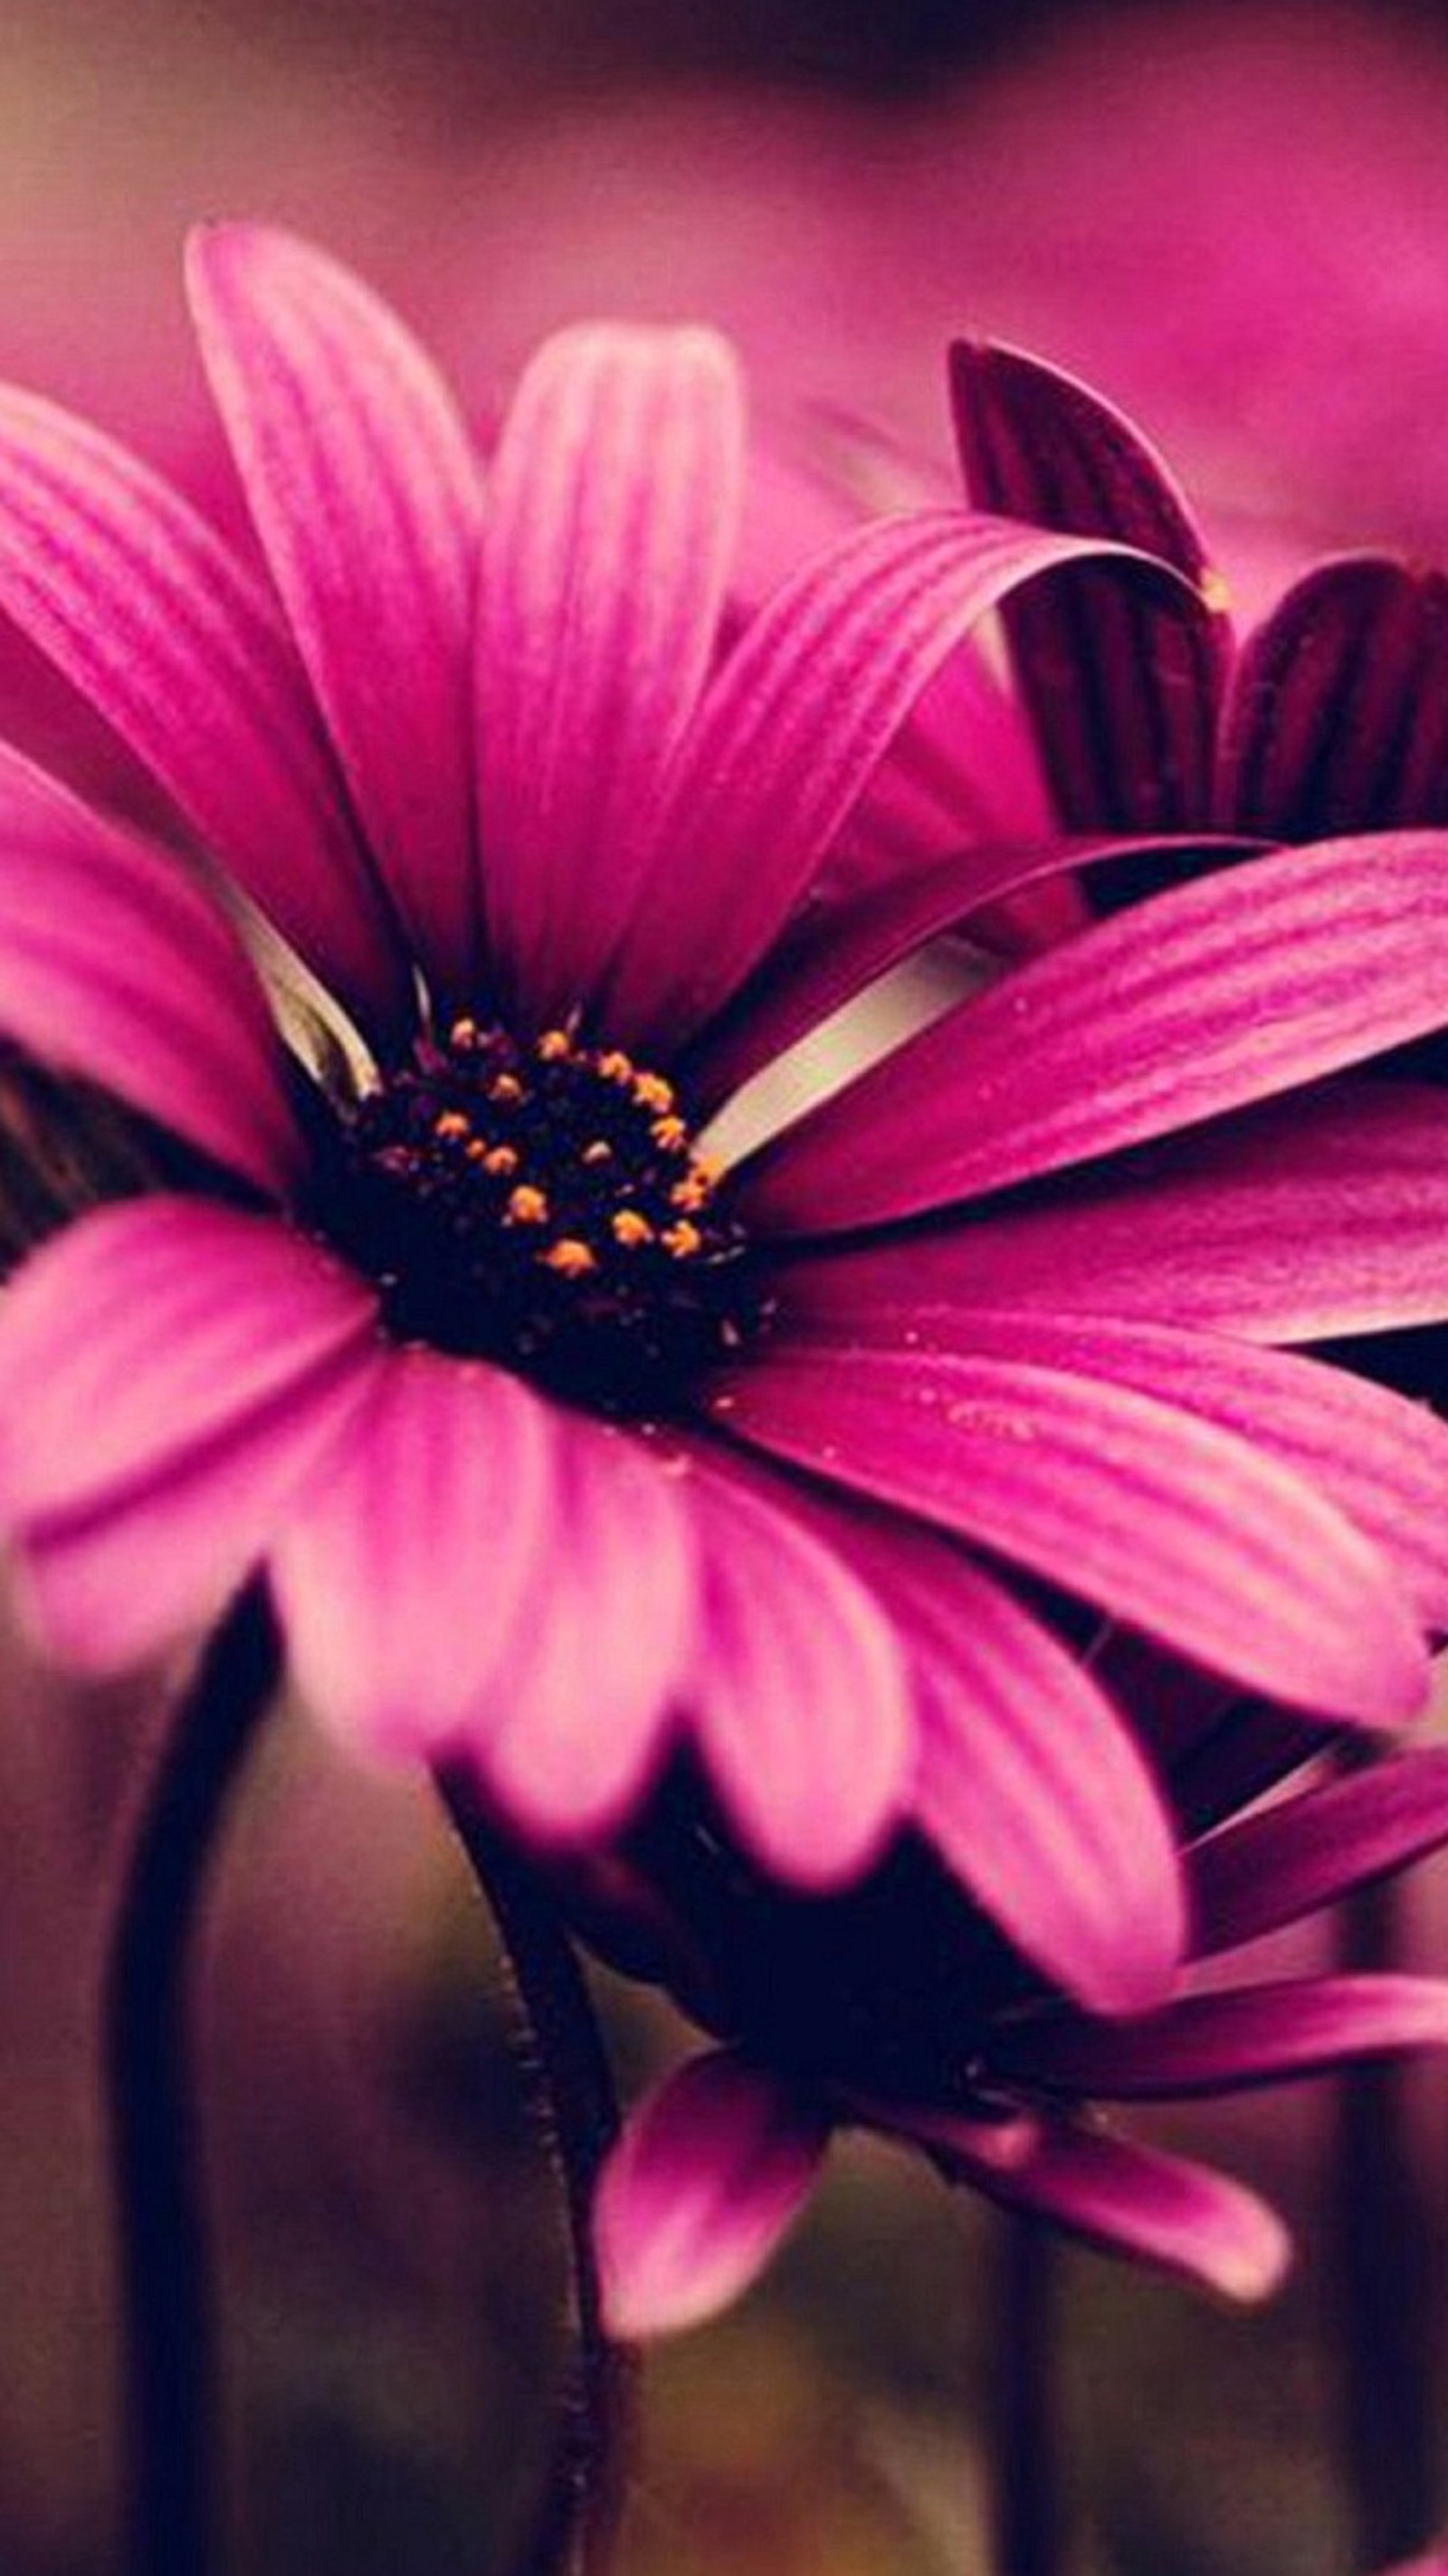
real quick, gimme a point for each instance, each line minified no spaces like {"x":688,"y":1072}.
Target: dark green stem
{"x":1024,"y":2436}
{"x":574,"y":2099}
{"x":165,"y":2288}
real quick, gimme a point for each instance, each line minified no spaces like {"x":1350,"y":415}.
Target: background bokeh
{"x":1237,"y":221}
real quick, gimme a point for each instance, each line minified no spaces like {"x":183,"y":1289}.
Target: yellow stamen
{"x":671,"y":1133}
{"x":630,"y":1229}
{"x":616,"y":1066}
{"x":652,"y":1092}
{"x":450,"y":1127}
{"x":463,"y":1033}
{"x":569,"y":1256}
{"x":505,"y":1087}
{"x":682,"y":1240}
{"x":689,"y":1194}
{"x":553,"y":1046}
{"x":500,"y":1160}
{"x":596,"y":1153}
{"x":527,"y":1206}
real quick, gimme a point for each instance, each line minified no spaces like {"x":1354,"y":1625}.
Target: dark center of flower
{"x":544,"y":1204}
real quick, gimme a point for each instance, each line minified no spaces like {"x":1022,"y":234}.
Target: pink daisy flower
{"x":531,"y":1414}
{"x":895,"y":2010}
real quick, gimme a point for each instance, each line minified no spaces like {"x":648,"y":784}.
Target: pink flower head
{"x":896,"y":2010}
{"x":563,"y":1450}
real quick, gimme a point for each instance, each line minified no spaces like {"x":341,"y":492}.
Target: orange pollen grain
{"x":652,"y":1092}
{"x":450,"y":1127}
{"x":553,"y":1046}
{"x":630,"y":1229}
{"x":505,"y":1087}
{"x":569,"y":1256}
{"x":615,"y":1066}
{"x":527,"y":1206}
{"x":670,"y":1133}
{"x":682,"y":1240}
{"x":500,"y":1160}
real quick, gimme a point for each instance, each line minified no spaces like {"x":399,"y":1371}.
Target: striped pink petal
{"x":787,"y":738}
{"x":116,"y":966}
{"x":603,"y":1650}
{"x":1245,"y":2036}
{"x":1380,"y":1459}
{"x":1030,"y":1785}
{"x":1304,"y":1220}
{"x":1306,"y":1851}
{"x":1130,"y":2199}
{"x":1123,"y":685}
{"x":1170,"y":1523}
{"x":1240,"y":984}
{"x":169,"y":1373}
{"x":802,"y":1710}
{"x":701,"y":2187}
{"x":1337,"y":718}
{"x":152,"y":618}
{"x":365,"y":494}
{"x":611,"y":523}
{"x":403,"y":1571}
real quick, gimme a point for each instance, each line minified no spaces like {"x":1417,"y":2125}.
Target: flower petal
{"x":1030,"y":1785}
{"x":1133,"y":2200}
{"x":148,"y":614}
{"x":611,"y":525}
{"x":802,"y":1711}
{"x":116,"y":966}
{"x":1303,"y":1221}
{"x":839,"y":943}
{"x":795,"y":724}
{"x":1213,"y":995}
{"x":1337,"y":718}
{"x":595,"y":1666}
{"x":1123,"y":685}
{"x":402,"y":1571}
{"x":1380,"y":1459}
{"x":1305,"y":1852}
{"x":1170,"y":1523}
{"x":366,"y":498}
{"x":1245,"y":2036}
{"x":169,"y":1371}
{"x":698,"y":2192}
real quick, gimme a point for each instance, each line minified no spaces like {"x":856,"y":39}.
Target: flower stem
{"x":1388,"y":2280}
{"x":1024,"y":2467}
{"x":577,"y":2525}
{"x":167,"y":2359}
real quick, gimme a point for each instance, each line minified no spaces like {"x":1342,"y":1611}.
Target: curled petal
{"x":1305,"y":1852}
{"x":1228,"y":2042}
{"x":695,"y":2197}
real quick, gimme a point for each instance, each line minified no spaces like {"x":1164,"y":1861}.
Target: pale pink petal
{"x":403,"y":1568}
{"x":1170,"y":1523}
{"x":695,"y":2197}
{"x":169,"y":1372}
{"x":153,"y":619}
{"x":1306,"y":1851}
{"x":802,"y":1711}
{"x":1220,"y":992}
{"x":366,"y":497}
{"x":604,"y":1644}
{"x":1226,"y":2042}
{"x":1305,"y":1220}
{"x":612,"y":510}
{"x":1133,"y":2200}
{"x":1380,"y":1459}
{"x":789,"y":735}
{"x":1030,"y":1785}
{"x":116,"y":966}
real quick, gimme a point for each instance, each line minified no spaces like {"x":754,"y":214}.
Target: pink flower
{"x":894,"y":2010}
{"x":561,"y":1450}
